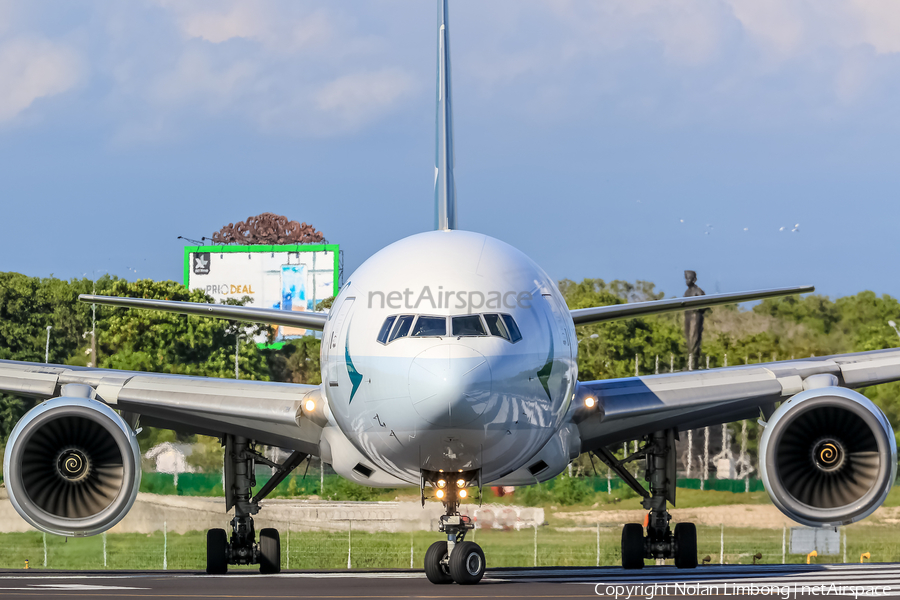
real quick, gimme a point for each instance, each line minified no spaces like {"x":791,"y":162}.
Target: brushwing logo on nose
{"x":547,"y":369}
{"x":355,"y":376}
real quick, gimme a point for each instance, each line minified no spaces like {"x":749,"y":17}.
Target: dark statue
{"x":268,"y":229}
{"x":693,"y":321}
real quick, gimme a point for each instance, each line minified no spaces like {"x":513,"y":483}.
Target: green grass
{"x":559,"y":544}
{"x":329,"y":550}
{"x":893,"y":498}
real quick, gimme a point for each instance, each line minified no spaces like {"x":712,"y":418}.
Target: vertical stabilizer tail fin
{"x":444,"y":186}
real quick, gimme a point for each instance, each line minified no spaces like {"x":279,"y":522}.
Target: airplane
{"x":449,"y":362}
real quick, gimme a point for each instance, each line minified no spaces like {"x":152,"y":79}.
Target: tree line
{"x":141,"y":340}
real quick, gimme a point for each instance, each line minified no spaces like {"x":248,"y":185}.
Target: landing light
{"x":590,"y":402}
{"x":460,"y":483}
{"x":439,"y":494}
{"x":309,"y":406}
{"x":441,"y":483}
{"x":463,"y":493}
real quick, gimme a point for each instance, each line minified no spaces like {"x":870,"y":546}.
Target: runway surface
{"x":762,"y":581}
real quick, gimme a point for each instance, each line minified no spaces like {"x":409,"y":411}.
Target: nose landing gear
{"x":659,"y":543}
{"x":455,"y":560}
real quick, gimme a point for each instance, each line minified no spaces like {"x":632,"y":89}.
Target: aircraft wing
{"x":270,"y":413}
{"x":269,"y":316}
{"x":616,"y":312}
{"x":631,"y":407}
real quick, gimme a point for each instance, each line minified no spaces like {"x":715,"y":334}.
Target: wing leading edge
{"x":270,"y":413}
{"x":268,"y":316}
{"x":634,"y":406}
{"x":615,"y":312}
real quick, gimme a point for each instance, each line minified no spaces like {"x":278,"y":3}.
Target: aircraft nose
{"x":450,"y":384}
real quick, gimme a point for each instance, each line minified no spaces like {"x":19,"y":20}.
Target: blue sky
{"x":620,"y":139}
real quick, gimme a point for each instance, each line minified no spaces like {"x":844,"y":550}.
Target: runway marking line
{"x":71,"y":587}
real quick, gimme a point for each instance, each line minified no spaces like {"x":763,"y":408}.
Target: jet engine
{"x":72,"y":465}
{"x":828,"y":457}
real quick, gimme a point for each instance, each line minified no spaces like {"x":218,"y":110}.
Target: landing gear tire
{"x":436,"y":564}
{"x":467,"y":563}
{"x":269,"y":552}
{"x":633,"y":546}
{"x":216,"y":552}
{"x":686,"y":546}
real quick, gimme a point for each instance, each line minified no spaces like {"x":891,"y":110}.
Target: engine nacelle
{"x":72,"y":466}
{"x":828,"y":457}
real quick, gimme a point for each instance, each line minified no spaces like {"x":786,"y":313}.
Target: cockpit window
{"x":401,"y":329}
{"x":430,"y":327}
{"x":468,"y":325}
{"x":496,"y":326}
{"x":514,"y":334}
{"x":386,"y":329}
{"x":503,"y":326}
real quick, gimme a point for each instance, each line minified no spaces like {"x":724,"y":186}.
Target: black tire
{"x":633,"y":546}
{"x":216,"y":552}
{"x":686,"y":546}
{"x":435,"y":571}
{"x":467,"y":563}
{"x":269,"y":552}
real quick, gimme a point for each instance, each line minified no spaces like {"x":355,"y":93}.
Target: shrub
{"x":347,"y":490}
{"x":572,"y":490}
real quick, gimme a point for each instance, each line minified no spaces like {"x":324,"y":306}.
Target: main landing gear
{"x":455,"y":560}
{"x":242,"y":548}
{"x":659,"y":543}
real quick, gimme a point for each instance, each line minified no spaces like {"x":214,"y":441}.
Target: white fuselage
{"x":449,"y":393}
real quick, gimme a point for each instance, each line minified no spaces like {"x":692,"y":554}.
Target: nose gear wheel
{"x":455,"y":560}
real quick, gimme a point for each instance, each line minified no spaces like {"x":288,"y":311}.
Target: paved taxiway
{"x":797,"y":580}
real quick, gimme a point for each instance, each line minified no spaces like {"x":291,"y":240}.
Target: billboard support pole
{"x":237,"y":346}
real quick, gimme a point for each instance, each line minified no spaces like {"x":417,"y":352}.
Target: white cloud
{"x":322,"y":68}
{"x":218,"y":22}
{"x":241,"y":21}
{"x":778,"y":25}
{"x":688,"y":32}
{"x":801,"y":26}
{"x":33,"y":68}
{"x":280,"y":67}
{"x":676,"y":61}
{"x":196,"y":78}
{"x":880,"y":23}
{"x":278,"y":25}
{"x":355,"y":99}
